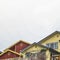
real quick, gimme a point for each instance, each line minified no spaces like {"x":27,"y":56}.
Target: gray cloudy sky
{"x":30,"y":20}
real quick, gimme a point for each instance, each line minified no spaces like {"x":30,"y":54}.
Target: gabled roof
{"x":10,"y":51}
{"x":32,"y":45}
{"x":50,"y":49}
{"x":49,"y":36}
{"x":17,"y":43}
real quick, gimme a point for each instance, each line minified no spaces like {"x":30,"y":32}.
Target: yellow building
{"x":52,"y":41}
{"x":47,"y":48}
{"x":35,"y":49}
{"x":51,"y":45}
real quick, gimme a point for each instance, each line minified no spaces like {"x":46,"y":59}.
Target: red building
{"x":9,"y":54}
{"x":18,"y":46}
{"x":14,"y":50}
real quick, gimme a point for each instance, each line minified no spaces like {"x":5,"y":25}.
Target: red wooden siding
{"x":12,"y":48}
{"x":8,"y":55}
{"x":19,"y":46}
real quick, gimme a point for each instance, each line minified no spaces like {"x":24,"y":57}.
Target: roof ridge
{"x":16,"y":43}
{"x":50,"y":35}
{"x":9,"y":51}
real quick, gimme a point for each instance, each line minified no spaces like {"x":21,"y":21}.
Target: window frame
{"x":53,"y":45}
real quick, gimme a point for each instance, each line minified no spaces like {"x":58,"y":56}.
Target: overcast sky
{"x":29,"y":20}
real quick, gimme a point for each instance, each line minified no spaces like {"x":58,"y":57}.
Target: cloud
{"x":30,"y":20}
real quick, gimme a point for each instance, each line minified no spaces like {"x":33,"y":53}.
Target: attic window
{"x":57,"y":35}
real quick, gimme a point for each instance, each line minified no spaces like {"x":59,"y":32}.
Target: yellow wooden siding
{"x":38,"y":48}
{"x":54,"y":38}
{"x":48,"y":55}
{"x":33,"y":48}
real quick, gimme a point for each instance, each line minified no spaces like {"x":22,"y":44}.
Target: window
{"x":53,"y":45}
{"x":28,"y":54}
{"x":48,"y":45}
{"x":56,"y":45}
